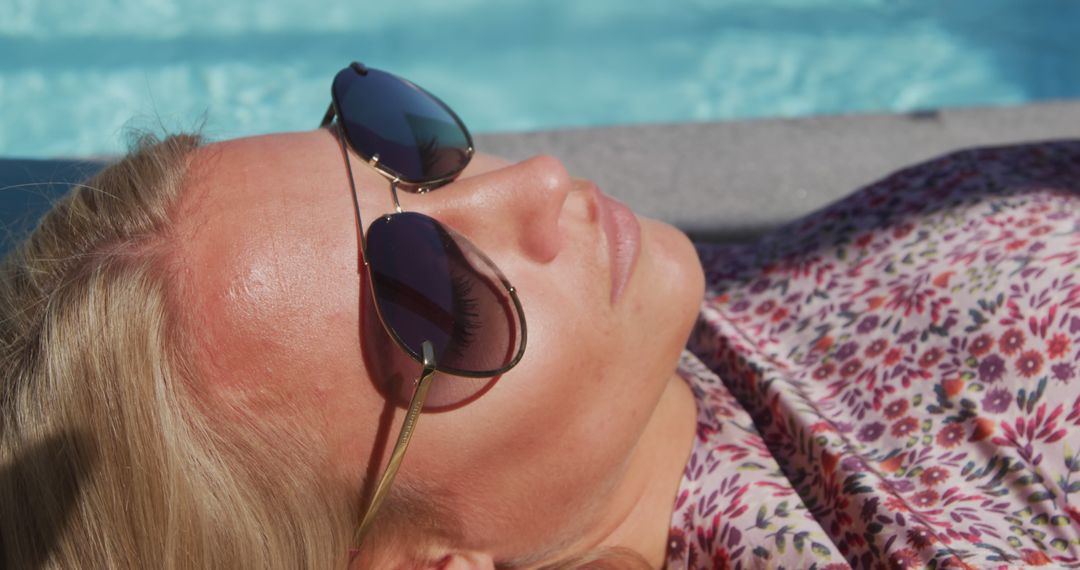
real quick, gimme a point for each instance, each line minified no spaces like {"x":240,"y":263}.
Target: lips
{"x":623,"y":235}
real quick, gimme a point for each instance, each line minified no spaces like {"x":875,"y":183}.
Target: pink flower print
{"x":981,"y":344}
{"x":1011,"y":341}
{"x":896,"y":408}
{"x":1015,"y":244}
{"x":925,"y":499}
{"x":904,"y":559}
{"x":1057,"y":346}
{"x":676,"y":547}
{"x":824,"y":371}
{"x":765,"y":307}
{"x":930,"y":357}
{"x":896,"y":504}
{"x":1034,"y":557}
{"x":950,"y":436}
{"x":920,"y":537}
{"x":876,"y":348}
{"x":904,"y":427}
{"x":1029,"y":363}
{"x":1040,"y":231}
{"x":893,"y":356}
{"x":850,"y":367}
{"x":934,"y":475}
{"x":901,"y":231}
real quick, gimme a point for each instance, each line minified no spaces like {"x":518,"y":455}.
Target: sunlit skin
{"x":581,"y":445}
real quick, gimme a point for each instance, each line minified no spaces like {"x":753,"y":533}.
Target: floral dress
{"x":894,"y":381}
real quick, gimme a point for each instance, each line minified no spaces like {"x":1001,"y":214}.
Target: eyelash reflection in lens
{"x":429,"y":153}
{"x":466,"y":318}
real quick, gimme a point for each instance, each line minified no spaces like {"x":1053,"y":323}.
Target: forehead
{"x":269,"y":248}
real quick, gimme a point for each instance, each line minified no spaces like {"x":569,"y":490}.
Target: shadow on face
{"x":394,"y":373}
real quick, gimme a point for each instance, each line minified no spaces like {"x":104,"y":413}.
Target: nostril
{"x":591,"y":192}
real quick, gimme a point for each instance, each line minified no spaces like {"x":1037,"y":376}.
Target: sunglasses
{"x":437,"y":295}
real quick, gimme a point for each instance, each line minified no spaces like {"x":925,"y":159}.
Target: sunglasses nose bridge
{"x":515,"y":208}
{"x":394,"y":194}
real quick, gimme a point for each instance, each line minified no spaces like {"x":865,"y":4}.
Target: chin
{"x":675,"y":280}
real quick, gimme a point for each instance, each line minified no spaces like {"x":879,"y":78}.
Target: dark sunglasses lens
{"x":412,"y":132}
{"x":432,"y":284}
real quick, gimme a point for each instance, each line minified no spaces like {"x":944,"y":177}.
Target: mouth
{"x":623,"y":234}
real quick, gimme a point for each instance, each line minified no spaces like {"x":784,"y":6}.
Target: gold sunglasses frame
{"x":427,"y":358}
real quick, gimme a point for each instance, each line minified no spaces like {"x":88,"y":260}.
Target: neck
{"x":653,"y":475}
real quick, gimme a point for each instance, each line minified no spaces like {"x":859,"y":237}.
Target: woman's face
{"x":270,"y":251}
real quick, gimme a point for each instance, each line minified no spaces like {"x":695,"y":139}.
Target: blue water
{"x":74,"y":74}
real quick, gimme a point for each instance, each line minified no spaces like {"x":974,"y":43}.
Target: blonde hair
{"x":108,"y":458}
{"x":109,"y":461}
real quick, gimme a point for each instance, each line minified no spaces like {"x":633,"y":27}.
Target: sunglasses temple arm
{"x":417,"y":404}
{"x":328,"y":117}
{"x":352,"y":183}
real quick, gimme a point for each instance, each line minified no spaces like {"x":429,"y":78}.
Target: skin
{"x":581,"y":445}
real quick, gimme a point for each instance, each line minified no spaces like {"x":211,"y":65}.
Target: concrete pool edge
{"x":721,"y":181}
{"x":728,"y":181}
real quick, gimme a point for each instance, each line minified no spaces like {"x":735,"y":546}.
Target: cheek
{"x":557,"y":429}
{"x":573,"y":407}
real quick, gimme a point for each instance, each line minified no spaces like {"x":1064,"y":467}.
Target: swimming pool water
{"x":75,"y":73}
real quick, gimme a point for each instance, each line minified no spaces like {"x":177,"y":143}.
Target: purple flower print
{"x":997,"y":400}
{"x":847,"y":350}
{"x":867,"y":325}
{"x":740,"y":306}
{"x":901,"y":485}
{"x":759,"y":286}
{"x":991,"y":369}
{"x":871,"y":431}
{"x":853,"y":464}
{"x":1063,"y":371}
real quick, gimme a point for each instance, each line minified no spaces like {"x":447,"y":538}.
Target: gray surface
{"x":719,"y":181}
{"x":731,"y":181}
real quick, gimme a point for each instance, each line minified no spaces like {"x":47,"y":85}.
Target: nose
{"x":505,"y":205}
